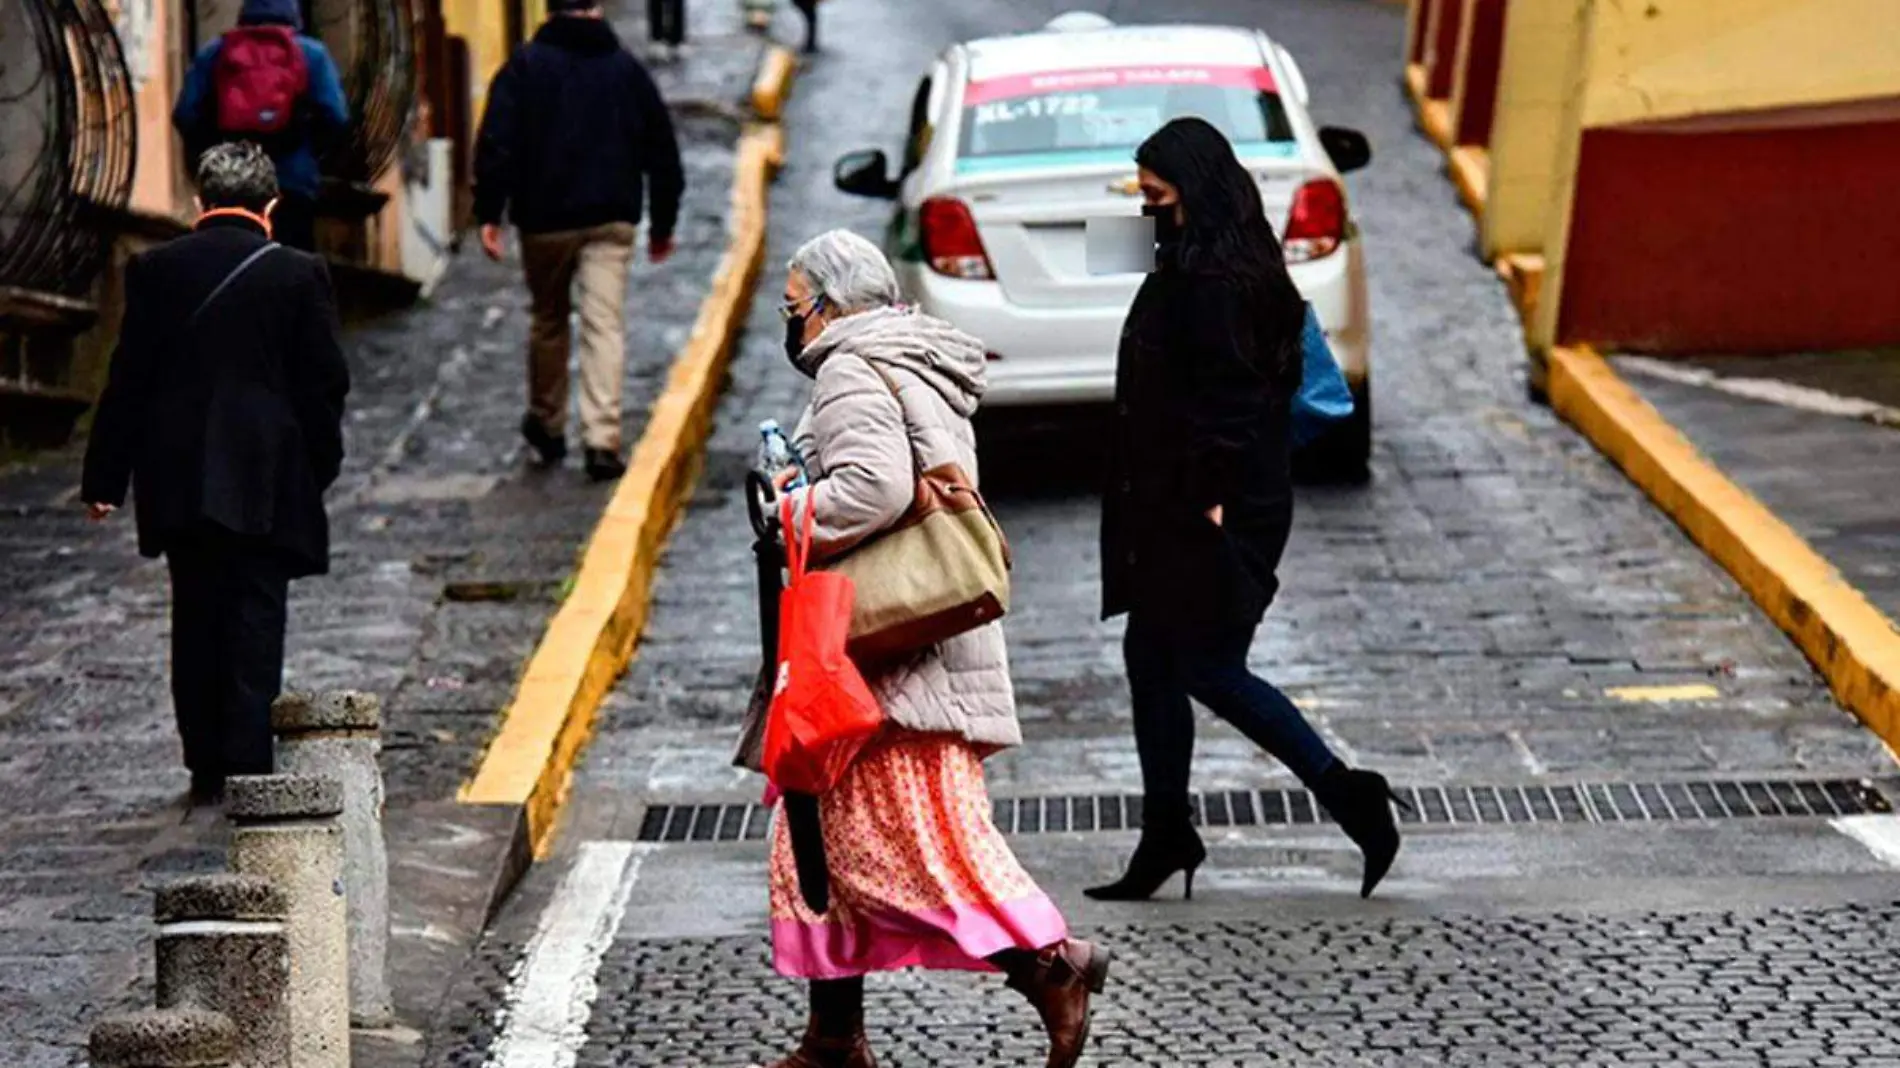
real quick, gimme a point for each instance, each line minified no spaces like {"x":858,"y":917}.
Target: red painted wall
{"x":1442,"y":54}
{"x":1421,"y":18}
{"x":1482,"y":59}
{"x":1763,"y":240}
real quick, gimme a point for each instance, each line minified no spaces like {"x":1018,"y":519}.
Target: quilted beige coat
{"x":858,"y":445}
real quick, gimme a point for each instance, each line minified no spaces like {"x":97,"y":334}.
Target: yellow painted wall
{"x":155,"y":171}
{"x":1675,"y":60}
{"x":484,"y":24}
{"x":1534,"y":81}
{"x":1672,"y":59}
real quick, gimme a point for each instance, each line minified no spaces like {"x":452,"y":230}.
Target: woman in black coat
{"x":1201,"y":501}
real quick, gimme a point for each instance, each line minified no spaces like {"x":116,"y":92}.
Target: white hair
{"x":850,"y":272}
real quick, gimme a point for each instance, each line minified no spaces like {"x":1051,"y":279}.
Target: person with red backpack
{"x":268,"y":82}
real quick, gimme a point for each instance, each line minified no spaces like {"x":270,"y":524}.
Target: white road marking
{"x":1880,"y":834}
{"x":1767,"y":390}
{"x":545,"y":1015}
{"x":1532,"y":763}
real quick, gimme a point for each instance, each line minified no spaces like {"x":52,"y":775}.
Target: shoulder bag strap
{"x":910,"y":435}
{"x":218,"y":291}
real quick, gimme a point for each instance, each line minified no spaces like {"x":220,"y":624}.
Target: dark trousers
{"x":293,"y":223}
{"x":1165,"y":669}
{"x":229,"y":601}
{"x":666,"y":21}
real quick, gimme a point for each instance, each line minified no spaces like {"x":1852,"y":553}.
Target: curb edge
{"x":1855,"y":646}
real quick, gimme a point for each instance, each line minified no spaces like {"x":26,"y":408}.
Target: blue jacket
{"x":325,"y":114}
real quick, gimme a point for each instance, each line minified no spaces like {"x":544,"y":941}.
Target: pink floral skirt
{"x":920,"y":876}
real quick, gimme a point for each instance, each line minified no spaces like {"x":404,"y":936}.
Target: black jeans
{"x":666,"y":21}
{"x":293,"y":223}
{"x":230,"y":597}
{"x":1165,"y":669}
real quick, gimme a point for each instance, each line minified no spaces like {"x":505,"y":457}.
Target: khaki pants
{"x":599,"y":259}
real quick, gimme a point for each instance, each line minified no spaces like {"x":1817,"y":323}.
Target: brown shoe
{"x":1059,"y":984}
{"x":816,"y":1052}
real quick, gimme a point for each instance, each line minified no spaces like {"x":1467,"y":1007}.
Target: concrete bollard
{"x":287,"y":832}
{"x":222,"y":947}
{"x":168,"y":1038}
{"x":339,"y":734}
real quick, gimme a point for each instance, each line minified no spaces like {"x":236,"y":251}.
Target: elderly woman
{"x":920,"y":877}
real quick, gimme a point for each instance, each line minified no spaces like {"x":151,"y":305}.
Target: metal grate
{"x":1434,"y":806}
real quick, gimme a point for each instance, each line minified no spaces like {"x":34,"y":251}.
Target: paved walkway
{"x":1831,"y":477}
{"x":1500,"y":607}
{"x":450,"y":554}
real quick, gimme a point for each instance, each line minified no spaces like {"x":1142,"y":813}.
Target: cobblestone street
{"x":1499,"y":614}
{"x":1499,"y":607}
{"x":449,"y":554}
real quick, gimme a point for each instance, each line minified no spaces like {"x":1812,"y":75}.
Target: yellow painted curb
{"x":774,"y":83}
{"x":1434,"y":117}
{"x":1471,"y":173}
{"x":1415,"y":80}
{"x":592,"y":635}
{"x":1523,"y":275}
{"x":1854,"y":645}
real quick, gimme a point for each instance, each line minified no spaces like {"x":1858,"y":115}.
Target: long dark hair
{"x":1226,"y":235}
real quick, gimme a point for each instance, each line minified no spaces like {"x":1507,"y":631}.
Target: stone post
{"x":222,"y":948}
{"x":339,"y":735}
{"x":168,"y":1038}
{"x":287,"y":832}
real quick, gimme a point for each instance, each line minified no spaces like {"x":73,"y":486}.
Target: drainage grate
{"x":1439,"y":806}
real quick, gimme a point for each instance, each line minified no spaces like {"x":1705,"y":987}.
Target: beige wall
{"x":1673,"y":59}
{"x":1700,"y":62}
{"x":1534,"y":82}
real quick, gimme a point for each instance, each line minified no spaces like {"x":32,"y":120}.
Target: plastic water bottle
{"x":776,"y":454}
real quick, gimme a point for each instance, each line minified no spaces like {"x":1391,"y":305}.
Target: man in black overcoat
{"x":223,"y":415}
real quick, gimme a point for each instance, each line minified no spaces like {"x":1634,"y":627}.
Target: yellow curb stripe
{"x":1471,"y":172}
{"x":591,"y":637}
{"x":1855,"y":646}
{"x":774,"y":82}
{"x":1663,"y":695}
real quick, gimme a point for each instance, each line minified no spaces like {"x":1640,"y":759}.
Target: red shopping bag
{"x":822,"y":713}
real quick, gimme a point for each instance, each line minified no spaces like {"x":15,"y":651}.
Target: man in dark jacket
{"x":223,"y":411}
{"x":574,"y":139}
{"x":318,"y":118}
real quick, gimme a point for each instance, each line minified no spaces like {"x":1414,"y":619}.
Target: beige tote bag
{"x":939,"y":571}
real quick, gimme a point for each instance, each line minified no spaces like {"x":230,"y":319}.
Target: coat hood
{"x":949,"y":360}
{"x":271,"y":13}
{"x":578,"y":34}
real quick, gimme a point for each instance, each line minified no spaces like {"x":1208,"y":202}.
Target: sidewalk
{"x":450,"y":555}
{"x":1828,"y":475}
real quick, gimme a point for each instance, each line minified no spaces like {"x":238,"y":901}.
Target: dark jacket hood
{"x":272,"y":13}
{"x":578,"y":34}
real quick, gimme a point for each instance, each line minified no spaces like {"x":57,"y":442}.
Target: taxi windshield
{"x":1085,"y":114}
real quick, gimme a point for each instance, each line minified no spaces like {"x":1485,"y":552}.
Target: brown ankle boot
{"x":1058,"y":982}
{"x":816,"y":1052}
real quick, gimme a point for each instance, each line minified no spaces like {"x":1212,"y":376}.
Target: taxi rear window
{"x":1081,"y":115}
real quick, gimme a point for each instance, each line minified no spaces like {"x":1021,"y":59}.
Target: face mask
{"x":795,"y":331}
{"x":1167,"y":227}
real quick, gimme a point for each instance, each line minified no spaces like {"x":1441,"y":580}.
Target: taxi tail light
{"x":1316,"y":224}
{"x":952,"y":245}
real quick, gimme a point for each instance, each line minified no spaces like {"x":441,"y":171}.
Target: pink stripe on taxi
{"x":1074,"y":81}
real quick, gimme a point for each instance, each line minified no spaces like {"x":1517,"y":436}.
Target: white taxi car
{"x":1015,"y":142}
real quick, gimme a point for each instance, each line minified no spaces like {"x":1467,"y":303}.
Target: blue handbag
{"x":1323,"y":399}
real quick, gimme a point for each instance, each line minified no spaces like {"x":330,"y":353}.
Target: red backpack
{"x":260,"y":75}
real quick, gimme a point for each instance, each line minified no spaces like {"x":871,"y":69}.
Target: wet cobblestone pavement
{"x":449,"y":555}
{"x":1794,"y":987}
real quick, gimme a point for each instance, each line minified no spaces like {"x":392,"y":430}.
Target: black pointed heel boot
{"x":1157,"y":857}
{"x":1361,"y":802}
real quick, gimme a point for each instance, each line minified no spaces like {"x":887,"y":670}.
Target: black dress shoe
{"x":207,"y":789}
{"x":1163,"y":850}
{"x":604,"y":465}
{"x":1361,"y":802}
{"x":549,"y":447}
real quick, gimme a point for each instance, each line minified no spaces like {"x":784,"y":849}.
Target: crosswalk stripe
{"x":1879,"y":833}
{"x":552,"y":997}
